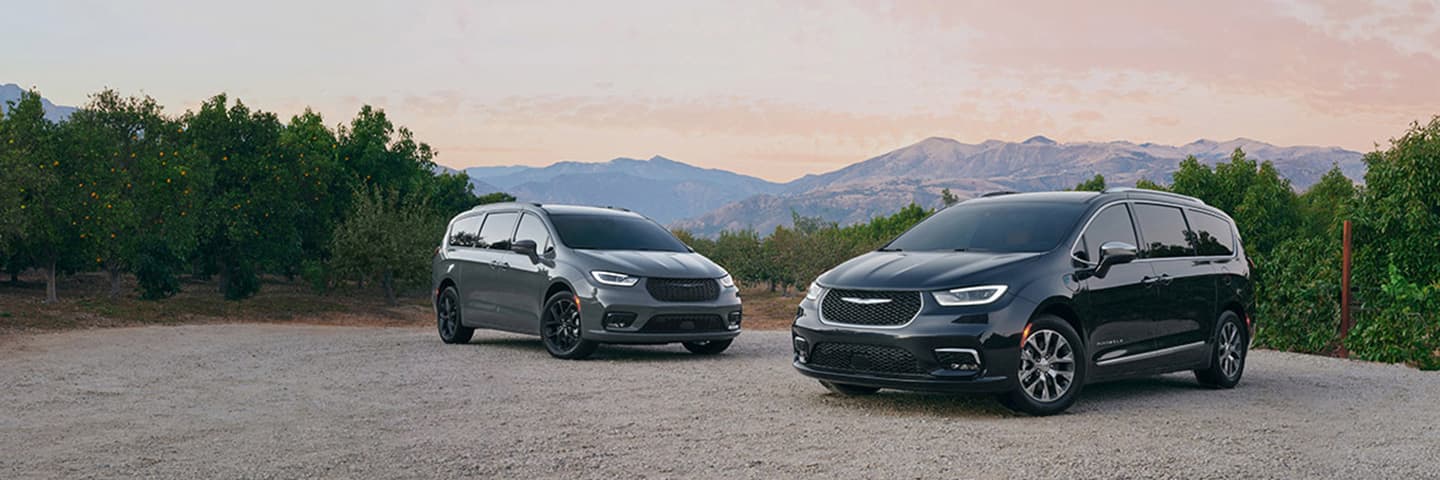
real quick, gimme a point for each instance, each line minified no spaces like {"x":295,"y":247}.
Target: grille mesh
{"x":684,"y":324}
{"x":857,"y":357}
{"x":683,"y":289}
{"x":901,"y":307}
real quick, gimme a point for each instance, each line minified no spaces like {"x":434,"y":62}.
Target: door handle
{"x":1162,"y":280}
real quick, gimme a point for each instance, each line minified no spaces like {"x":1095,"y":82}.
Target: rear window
{"x":1164,"y":231}
{"x":614,"y":232}
{"x":497,"y":230}
{"x":992,"y":227}
{"x":463,"y":232}
{"x":1210,"y":235}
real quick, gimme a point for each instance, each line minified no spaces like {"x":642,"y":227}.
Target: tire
{"x":561,"y":331}
{"x":1051,"y":370}
{"x":1228,"y":352}
{"x":848,"y":389}
{"x":708,"y":347}
{"x":447,"y":318}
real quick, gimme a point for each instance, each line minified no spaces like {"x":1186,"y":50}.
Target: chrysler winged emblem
{"x":866,"y":301}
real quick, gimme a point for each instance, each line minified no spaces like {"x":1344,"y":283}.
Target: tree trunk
{"x":224,"y":274}
{"x":14,"y":276}
{"x":114,"y":272}
{"x":50,"y":296}
{"x":389,"y":281}
{"x":772,"y":286}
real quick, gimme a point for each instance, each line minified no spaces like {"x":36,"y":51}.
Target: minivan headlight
{"x":969,"y":295}
{"x":727,"y":281}
{"x":615,"y":279}
{"x":814,"y":292}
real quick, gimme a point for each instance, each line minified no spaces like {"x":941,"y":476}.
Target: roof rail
{"x":612,"y":207}
{"x":999,"y":193}
{"x":1154,"y":192}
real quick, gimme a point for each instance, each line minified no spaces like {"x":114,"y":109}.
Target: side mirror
{"x":524,"y":247}
{"x":1114,"y":253}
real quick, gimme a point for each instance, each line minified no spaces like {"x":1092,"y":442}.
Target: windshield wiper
{"x":889,"y":250}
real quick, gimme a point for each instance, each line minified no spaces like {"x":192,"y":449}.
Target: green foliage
{"x":387,"y":237}
{"x":794,"y":256}
{"x":1147,"y":184}
{"x":948,"y":198}
{"x":1298,"y":302}
{"x":1397,"y":221}
{"x":1328,"y":202}
{"x":40,"y":176}
{"x":1401,"y":324}
{"x":1263,"y":204}
{"x":1095,"y":184}
{"x":155,"y":266}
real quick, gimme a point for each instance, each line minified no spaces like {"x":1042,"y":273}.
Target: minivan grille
{"x":683,"y":324}
{"x":858,"y":357}
{"x":683,"y":289}
{"x":869,"y":308}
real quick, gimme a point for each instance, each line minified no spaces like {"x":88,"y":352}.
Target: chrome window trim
{"x":1234,"y":234}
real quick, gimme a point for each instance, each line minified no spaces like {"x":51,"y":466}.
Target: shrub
{"x":1297,"y":296}
{"x":1400,"y":325}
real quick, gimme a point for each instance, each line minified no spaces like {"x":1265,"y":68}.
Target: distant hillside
{"x":11,"y":93}
{"x":661,"y":188}
{"x":917,"y":172}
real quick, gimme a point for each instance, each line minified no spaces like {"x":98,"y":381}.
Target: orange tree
{"x":248,"y":216}
{"x":138,"y":184}
{"x":40,"y":176}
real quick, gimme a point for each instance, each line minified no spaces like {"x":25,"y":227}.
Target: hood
{"x":918,"y":270}
{"x":650,"y":264}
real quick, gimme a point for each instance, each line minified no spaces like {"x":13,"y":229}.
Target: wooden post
{"x":1345,"y":320}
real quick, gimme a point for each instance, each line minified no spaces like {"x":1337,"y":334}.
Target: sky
{"x":771,"y":89}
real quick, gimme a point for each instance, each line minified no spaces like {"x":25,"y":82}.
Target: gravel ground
{"x":275,"y":401}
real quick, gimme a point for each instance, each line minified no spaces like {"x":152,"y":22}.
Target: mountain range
{"x":10,"y":92}
{"x":706,"y":201}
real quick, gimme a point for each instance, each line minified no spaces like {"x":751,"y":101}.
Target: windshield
{"x":1005,"y":227}
{"x":614,"y":232}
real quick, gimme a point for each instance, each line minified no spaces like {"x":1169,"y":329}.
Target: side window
{"x":462,"y":233}
{"x":1209,"y":235}
{"x":532,"y":228}
{"x":1112,"y":224}
{"x":1164,"y":230}
{"x":496,"y":232}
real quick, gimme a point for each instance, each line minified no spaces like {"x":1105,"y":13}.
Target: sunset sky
{"x":771,"y":89}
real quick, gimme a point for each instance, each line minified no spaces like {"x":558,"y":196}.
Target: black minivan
{"x":1034,"y":295}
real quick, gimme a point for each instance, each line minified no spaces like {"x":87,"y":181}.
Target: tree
{"x":139,"y":184}
{"x":947,"y":197}
{"x":1147,"y":184}
{"x":43,"y":226}
{"x":1328,"y":202}
{"x":1094,"y":184}
{"x":248,"y":217}
{"x":1399,"y":212}
{"x":387,"y":237}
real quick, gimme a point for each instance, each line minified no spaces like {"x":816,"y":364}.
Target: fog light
{"x":802,"y":349}
{"x":733,"y":322}
{"x":958,"y":359}
{"x":619,"y":320}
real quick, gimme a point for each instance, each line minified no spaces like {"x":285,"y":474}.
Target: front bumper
{"x":636,"y":300}
{"x":995,"y":342}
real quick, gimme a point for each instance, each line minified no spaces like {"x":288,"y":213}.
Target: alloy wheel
{"x":1047,"y":366}
{"x":562,"y":325}
{"x":449,"y":316}
{"x":1232,"y":349}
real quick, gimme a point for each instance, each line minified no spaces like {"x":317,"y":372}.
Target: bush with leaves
{"x":388,"y":238}
{"x":1401,"y":324}
{"x":1298,"y":302}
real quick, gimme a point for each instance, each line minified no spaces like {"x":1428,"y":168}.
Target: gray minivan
{"x":578,"y":277}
